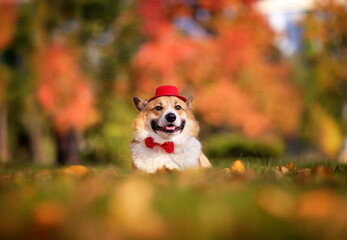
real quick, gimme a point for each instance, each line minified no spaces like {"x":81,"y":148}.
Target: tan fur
{"x":204,"y":162}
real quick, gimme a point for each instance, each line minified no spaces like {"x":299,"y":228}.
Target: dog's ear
{"x":140,"y":103}
{"x":189,"y":102}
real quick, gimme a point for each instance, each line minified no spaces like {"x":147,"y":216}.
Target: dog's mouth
{"x":170,"y":128}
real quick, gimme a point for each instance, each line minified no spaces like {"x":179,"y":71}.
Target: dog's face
{"x":165,"y":116}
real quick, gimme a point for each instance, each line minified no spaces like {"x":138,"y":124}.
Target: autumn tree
{"x":223,"y":53}
{"x":323,"y":64}
{"x":8,"y":13}
{"x":82,"y":49}
{"x":65,"y":59}
{"x":67,"y":97}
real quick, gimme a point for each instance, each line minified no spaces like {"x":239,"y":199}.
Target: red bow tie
{"x":167,"y":146}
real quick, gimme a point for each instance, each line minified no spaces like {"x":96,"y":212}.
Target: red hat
{"x":167,"y":90}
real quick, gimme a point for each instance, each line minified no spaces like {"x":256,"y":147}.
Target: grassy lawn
{"x":262,"y":199}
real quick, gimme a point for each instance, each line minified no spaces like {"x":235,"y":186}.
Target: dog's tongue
{"x":170,"y":128}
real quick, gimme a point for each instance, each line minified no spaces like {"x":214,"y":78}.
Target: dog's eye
{"x":158,"y":108}
{"x":178,"y":107}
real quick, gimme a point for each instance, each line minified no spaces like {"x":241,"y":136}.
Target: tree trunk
{"x":67,"y":148}
{"x":35,"y":136}
{"x":4,"y":156}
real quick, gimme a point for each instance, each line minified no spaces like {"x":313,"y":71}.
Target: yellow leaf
{"x":76,"y":170}
{"x":238,"y":167}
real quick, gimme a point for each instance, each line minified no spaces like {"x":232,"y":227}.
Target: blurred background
{"x":269,"y":78}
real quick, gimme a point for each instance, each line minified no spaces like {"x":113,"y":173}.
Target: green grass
{"x":104,"y":202}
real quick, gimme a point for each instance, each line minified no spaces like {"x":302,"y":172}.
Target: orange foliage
{"x":236,"y":80}
{"x":224,"y":103}
{"x":153,"y":58}
{"x":8,"y":13}
{"x":213,"y":5}
{"x":153,"y":16}
{"x":63,"y":91}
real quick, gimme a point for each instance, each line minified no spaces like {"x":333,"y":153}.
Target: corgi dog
{"x":165,"y":133}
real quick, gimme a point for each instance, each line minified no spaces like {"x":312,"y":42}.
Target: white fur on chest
{"x":185,"y":155}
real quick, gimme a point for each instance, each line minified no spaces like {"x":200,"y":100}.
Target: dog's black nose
{"x":170,"y":117}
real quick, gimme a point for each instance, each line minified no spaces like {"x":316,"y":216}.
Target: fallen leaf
{"x":284,"y":170}
{"x":238,"y":167}
{"x":291,"y":166}
{"x":76,"y":170}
